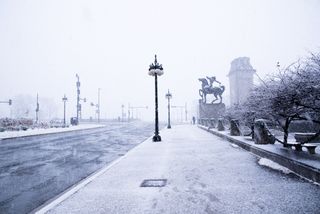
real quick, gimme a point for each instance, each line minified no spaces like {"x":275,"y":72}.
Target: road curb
{"x":53,"y":133}
{"x":299,"y":168}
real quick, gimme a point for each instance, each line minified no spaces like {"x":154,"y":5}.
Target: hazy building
{"x":241,"y":79}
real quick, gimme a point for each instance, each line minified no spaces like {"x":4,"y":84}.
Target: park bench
{"x":311,"y":147}
{"x":296,"y":145}
{"x":302,"y":141}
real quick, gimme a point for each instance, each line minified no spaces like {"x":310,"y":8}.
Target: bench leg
{"x":312,"y":150}
{"x":298,"y":148}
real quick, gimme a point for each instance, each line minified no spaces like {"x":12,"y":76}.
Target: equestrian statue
{"x":208,"y":88}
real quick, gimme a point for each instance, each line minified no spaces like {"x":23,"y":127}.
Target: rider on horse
{"x":212,"y":80}
{"x":209,"y":89}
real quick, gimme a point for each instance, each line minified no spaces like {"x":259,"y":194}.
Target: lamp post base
{"x":156,"y":138}
{"x":169,"y":127}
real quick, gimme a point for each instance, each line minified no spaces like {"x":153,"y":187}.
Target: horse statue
{"x":209,"y":89}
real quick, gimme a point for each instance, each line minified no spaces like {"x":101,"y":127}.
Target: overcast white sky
{"x":110,"y":44}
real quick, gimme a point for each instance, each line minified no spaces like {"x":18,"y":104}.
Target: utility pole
{"x":78,"y":98}
{"x":37,"y":109}
{"x":64,"y":99}
{"x":128,"y":112}
{"x":122,"y":113}
{"x":186,"y":111}
{"x":98,"y":109}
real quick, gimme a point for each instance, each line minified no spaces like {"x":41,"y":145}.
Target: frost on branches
{"x":293,"y":94}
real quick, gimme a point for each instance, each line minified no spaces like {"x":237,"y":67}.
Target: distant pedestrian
{"x":193,"y":120}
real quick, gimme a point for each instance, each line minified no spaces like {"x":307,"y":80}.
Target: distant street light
{"x":155,"y":69}
{"x":136,"y":108}
{"x":128,"y":112}
{"x":37,"y":109}
{"x":181,"y":110}
{"x":122,"y":112}
{"x":64,"y":99}
{"x":98,"y":108}
{"x":169,"y":96}
{"x":186,"y":111}
{"x":97,"y":111}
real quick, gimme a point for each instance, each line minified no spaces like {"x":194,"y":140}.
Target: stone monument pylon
{"x":241,"y":79}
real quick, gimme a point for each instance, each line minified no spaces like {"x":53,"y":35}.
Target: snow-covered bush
{"x":15,"y":124}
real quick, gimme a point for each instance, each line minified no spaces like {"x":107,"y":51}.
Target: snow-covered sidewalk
{"x":305,"y":164}
{"x":34,"y":132}
{"x":200,"y":172}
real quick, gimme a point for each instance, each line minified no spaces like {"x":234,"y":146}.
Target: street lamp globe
{"x":155,"y":68}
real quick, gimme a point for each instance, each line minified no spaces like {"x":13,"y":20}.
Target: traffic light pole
{"x":9,"y":102}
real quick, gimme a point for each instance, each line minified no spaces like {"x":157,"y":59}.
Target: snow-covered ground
{"x":273,"y":165}
{"x":204,"y":175}
{"x":32,"y":132}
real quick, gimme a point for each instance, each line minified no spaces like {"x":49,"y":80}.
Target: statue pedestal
{"x":214,"y":110}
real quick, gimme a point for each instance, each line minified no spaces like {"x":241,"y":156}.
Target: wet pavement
{"x":35,"y":169}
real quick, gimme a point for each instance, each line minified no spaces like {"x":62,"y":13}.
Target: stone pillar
{"x":220,"y":125}
{"x":212,"y":123}
{"x":205,"y":121}
{"x":208,"y":122}
{"x":260,"y":132}
{"x":234,"y":128}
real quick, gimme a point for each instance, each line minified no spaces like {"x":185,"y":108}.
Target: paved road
{"x":205,"y":174}
{"x":35,"y":169}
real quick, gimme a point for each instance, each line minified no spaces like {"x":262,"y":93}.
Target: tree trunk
{"x":252,"y":132}
{"x":286,"y":132}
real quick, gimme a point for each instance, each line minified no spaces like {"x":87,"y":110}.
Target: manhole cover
{"x":154,"y":183}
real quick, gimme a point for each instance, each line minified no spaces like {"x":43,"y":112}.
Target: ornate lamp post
{"x":155,"y":69}
{"x":169,"y":96}
{"x":64,"y":99}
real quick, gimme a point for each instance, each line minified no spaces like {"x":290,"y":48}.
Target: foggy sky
{"x":110,"y":44}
